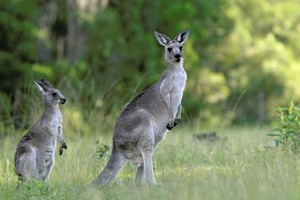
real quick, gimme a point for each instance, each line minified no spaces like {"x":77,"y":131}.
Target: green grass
{"x":238,"y":166}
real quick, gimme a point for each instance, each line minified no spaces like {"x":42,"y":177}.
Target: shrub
{"x":287,"y":131}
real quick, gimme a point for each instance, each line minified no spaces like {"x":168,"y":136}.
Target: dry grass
{"x":237,"y":166}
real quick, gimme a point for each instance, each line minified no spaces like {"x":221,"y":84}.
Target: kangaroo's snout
{"x":177,"y":57}
{"x":63,"y":101}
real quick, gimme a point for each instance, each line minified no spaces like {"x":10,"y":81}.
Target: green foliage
{"x":288,"y":128}
{"x":35,"y":189}
{"x":255,"y":58}
{"x":17,"y":40}
{"x":121,"y":46}
{"x":102,"y":151}
{"x":235,"y":53}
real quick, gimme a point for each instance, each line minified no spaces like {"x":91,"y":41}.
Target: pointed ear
{"x":40,"y":86}
{"x":182,"y":37}
{"x":46,"y":83}
{"x":161,"y":38}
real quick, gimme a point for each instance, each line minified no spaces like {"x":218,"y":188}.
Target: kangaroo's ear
{"x":46,"y":83}
{"x":43,"y":86}
{"x":161,"y":38}
{"x":40,"y":86}
{"x":182,"y":37}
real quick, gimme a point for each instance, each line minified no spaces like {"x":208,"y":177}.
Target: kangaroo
{"x":146,"y":118}
{"x":34,"y":157}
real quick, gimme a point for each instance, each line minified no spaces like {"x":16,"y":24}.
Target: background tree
{"x":242,"y":56}
{"x":17,"y":38}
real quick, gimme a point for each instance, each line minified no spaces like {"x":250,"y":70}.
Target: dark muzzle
{"x":63,"y":101}
{"x":177,"y":57}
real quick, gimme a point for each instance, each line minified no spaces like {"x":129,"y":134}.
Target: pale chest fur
{"x":179,"y":82}
{"x":53,"y":121}
{"x":172,"y":87}
{"x":176,"y":93}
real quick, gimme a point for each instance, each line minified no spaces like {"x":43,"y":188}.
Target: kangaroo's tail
{"x":111,"y":170}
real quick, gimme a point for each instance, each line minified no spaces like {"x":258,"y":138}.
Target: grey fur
{"x":34,"y":157}
{"x":145,"y":119}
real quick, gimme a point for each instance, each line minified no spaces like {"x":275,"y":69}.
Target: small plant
{"x":102,"y":151}
{"x":34,"y":189}
{"x":288,"y":127}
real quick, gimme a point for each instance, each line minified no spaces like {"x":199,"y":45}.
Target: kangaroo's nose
{"x":177,"y":57}
{"x":63,"y":101}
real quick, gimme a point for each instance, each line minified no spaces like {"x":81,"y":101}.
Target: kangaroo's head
{"x":51,"y":95}
{"x":173,"y":48}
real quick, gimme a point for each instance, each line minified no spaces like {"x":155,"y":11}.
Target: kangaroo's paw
{"x":62,"y":146}
{"x":173,"y":123}
{"x":176,"y":121}
{"x":170,"y":126}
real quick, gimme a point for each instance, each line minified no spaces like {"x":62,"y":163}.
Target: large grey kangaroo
{"x":145,"y":119}
{"x":34,"y":157}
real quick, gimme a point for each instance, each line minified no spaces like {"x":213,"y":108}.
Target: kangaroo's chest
{"x":179,"y":82}
{"x":172,"y":87}
{"x":176,"y":93}
{"x":56,"y":120}
{"x":53,"y":122}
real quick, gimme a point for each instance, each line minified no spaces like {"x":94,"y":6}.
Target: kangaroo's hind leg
{"x":146,"y":147}
{"x":139,"y":174}
{"x":148,"y":176}
{"x":26,"y":166}
{"x":47,"y":162}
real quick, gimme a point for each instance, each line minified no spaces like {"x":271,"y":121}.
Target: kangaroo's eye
{"x":180,"y":48}
{"x":169,"y":49}
{"x":54,"y":94}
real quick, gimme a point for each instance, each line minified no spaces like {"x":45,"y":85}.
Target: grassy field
{"x":242,"y":164}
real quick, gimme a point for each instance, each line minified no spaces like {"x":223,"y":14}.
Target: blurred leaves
{"x":241,"y":61}
{"x":17,"y":49}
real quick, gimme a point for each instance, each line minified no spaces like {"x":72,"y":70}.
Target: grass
{"x":238,"y":166}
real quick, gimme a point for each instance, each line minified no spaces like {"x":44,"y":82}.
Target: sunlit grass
{"x":237,"y":166}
